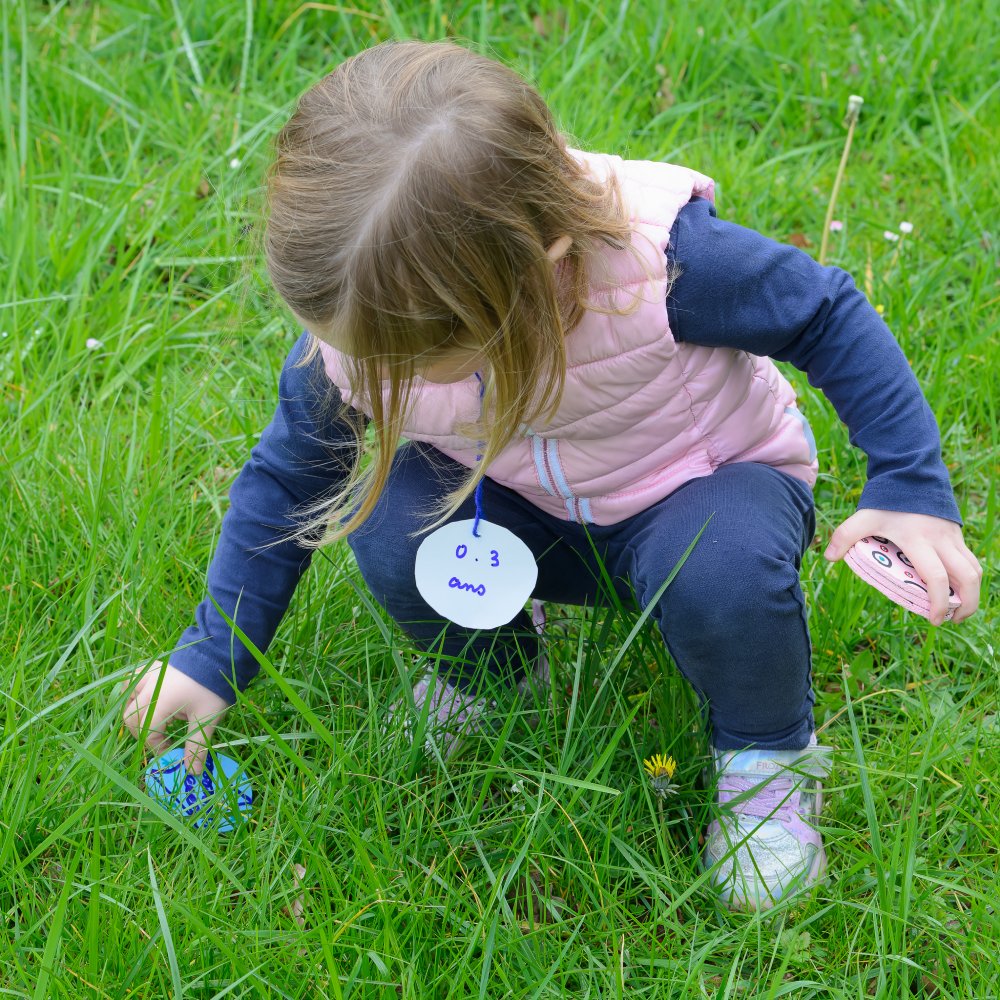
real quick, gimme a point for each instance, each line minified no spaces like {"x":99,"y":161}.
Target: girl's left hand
{"x":934,"y":546}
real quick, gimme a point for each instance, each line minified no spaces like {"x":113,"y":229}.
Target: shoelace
{"x":771,"y":798}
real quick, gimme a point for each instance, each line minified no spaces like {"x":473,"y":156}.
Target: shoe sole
{"x":804,"y":883}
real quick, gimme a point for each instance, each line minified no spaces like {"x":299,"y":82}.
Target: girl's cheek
{"x":452,"y":371}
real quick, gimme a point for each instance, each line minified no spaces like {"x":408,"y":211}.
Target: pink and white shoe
{"x":539,"y":677}
{"x":453,"y":713}
{"x":763,"y":846}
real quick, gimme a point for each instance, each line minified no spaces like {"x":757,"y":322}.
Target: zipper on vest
{"x":545,"y":453}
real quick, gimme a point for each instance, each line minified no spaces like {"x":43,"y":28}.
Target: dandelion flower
{"x":891,"y":236}
{"x":836,"y":225}
{"x":906,"y":227}
{"x":661,"y":771}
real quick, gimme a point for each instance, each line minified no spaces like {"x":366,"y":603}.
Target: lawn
{"x":139,"y":351}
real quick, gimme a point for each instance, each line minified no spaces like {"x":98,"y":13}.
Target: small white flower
{"x":94,"y":344}
{"x":836,"y":225}
{"x":517,"y":787}
{"x":906,"y":227}
{"x":234,"y":162}
{"x":4,"y":334}
{"x":38,"y":331}
{"x":891,"y":236}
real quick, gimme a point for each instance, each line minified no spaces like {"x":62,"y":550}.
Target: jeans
{"x":733,"y":619}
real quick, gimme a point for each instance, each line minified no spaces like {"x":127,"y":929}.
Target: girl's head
{"x":418,"y":196}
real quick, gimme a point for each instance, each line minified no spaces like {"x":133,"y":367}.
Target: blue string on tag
{"x":481,"y":444}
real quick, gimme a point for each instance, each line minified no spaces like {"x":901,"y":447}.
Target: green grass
{"x":536,"y":863}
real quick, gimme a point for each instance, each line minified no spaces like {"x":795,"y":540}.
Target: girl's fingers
{"x":195,"y":748}
{"x":177,"y":697}
{"x":947,"y":567}
{"x":929,"y":565}
{"x":157,"y":741}
{"x":135,"y":711}
{"x":146,"y":672}
{"x":131,"y":680}
{"x":855,"y":527}
{"x":137,"y":714}
{"x":138,"y":700}
{"x":974,"y":563}
{"x":966,"y":575}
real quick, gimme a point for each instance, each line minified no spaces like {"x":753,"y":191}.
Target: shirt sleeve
{"x":738,"y":289}
{"x":302,"y":454}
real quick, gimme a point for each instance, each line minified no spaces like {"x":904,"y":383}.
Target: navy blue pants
{"x":733,"y":619}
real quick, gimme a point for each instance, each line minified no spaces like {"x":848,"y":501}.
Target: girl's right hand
{"x":180,"y":697}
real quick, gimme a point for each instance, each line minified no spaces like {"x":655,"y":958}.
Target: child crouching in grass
{"x":577,"y":350}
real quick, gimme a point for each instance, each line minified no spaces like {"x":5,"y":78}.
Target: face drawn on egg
{"x":208,"y":797}
{"x":913,"y":583}
{"x":477,"y":582}
{"x":894,"y":575}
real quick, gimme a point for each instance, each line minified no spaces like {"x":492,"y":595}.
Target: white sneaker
{"x":763,"y":846}
{"x":454,"y":713}
{"x":539,"y":677}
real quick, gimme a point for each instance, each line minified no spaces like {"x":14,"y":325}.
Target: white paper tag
{"x":475,"y":582}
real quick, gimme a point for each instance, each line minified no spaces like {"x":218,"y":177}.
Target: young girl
{"x":579,"y":337}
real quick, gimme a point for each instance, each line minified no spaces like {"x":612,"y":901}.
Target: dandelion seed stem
{"x":904,"y":229}
{"x":853,"y":108}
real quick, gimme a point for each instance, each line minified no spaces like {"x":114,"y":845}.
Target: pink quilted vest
{"x":641,"y":413}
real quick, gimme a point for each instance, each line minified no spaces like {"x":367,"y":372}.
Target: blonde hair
{"x":412,"y":197}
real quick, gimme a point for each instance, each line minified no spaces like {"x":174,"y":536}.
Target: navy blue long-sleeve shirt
{"x":734,"y":288}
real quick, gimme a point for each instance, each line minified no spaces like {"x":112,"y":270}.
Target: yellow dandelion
{"x":659,"y":766}
{"x":661,"y":771}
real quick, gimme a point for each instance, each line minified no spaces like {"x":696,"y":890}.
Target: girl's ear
{"x":559,"y":248}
